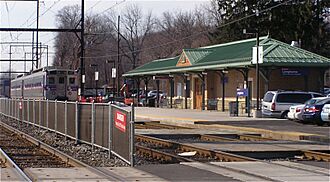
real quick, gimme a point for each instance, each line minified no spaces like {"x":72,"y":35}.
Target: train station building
{"x":208,"y":77}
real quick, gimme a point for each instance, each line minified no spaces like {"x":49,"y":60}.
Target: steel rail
{"x":12,"y":164}
{"x":65,"y":157}
{"x":160,"y":155}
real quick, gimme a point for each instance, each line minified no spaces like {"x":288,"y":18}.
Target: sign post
{"x":241,"y":92}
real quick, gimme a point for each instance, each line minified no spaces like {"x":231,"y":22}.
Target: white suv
{"x":277,"y":103}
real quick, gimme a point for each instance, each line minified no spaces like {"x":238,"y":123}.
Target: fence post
{"x":66,"y":119}
{"x":18,"y":114}
{"x":132,"y":137}
{"x":39,"y":114}
{"x":34,"y":112}
{"x":55,"y":117}
{"x":93,"y":126}
{"x":47,"y":111}
{"x":11,"y":107}
{"x":76,"y":122}
{"x":23,"y":111}
{"x":15,"y":109}
{"x":28,"y":112}
{"x":110,"y":129}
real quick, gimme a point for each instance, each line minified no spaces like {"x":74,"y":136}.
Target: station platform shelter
{"x":207,"y":78}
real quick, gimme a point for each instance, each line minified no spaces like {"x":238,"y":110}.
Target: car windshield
{"x":268,"y":97}
{"x":311,"y":101}
{"x":293,"y":97}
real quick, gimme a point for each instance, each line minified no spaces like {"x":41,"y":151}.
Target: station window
{"x":61,"y":80}
{"x":51,"y":80}
{"x":72,"y":80}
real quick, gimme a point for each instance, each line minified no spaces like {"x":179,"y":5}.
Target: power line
{"x":34,"y":20}
{"x":100,"y":13}
{"x":193,"y":35}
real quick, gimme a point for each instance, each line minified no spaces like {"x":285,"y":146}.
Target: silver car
{"x":325,"y":114}
{"x":277,"y":103}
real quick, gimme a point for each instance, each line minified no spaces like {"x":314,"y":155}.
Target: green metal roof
{"x":234,"y":54}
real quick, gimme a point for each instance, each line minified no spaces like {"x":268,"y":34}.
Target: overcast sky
{"x":18,"y":14}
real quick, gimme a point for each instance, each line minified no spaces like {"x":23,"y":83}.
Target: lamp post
{"x":96,"y":77}
{"x":257,"y":62}
{"x":113,"y":74}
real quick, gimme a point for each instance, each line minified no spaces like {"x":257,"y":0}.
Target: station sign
{"x":120,"y":121}
{"x":293,"y":72}
{"x":242,"y":92}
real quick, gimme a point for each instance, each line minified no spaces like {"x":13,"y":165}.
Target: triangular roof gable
{"x":191,"y":56}
{"x":183,"y":60}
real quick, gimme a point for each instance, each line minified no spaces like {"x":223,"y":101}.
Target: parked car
{"x":295,"y":112}
{"x":153,"y":93}
{"x":325,"y":114}
{"x":277,"y":103}
{"x":312,"y":110}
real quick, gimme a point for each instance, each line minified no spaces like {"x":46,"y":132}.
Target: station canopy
{"x":232,"y":55}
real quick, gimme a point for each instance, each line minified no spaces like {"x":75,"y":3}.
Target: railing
{"x":78,"y":121}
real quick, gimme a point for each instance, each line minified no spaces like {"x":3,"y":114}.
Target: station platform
{"x":194,"y":171}
{"x":269,"y":127}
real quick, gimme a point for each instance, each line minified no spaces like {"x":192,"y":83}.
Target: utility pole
{"x":82,"y":49}
{"x":118,"y":57}
{"x":37,"y":47}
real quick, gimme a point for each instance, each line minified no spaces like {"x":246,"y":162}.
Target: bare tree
{"x":98,"y":34}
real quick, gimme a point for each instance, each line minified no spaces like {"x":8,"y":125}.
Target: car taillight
{"x":298,"y":109}
{"x":273,"y":106}
{"x":311,"y":109}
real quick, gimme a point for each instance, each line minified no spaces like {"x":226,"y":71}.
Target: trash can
{"x":151,"y":102}
{"x":233,"y":109}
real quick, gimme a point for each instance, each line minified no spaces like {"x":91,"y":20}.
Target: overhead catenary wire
{"x":113,"y":6}
{"x":189,"y":36}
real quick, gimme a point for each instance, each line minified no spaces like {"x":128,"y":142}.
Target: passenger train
{"x":46,"y":83}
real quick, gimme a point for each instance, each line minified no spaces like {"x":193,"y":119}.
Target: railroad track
{"x":51,"y":156}
{"x":156,"y":125}
{"x":27,"y":154}
{"x":173,"y":148}
{"x":307,"y":154}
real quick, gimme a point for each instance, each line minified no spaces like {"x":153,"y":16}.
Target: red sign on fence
{"x":120,"y":121}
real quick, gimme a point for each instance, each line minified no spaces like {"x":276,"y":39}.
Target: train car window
{"x":61,"y":80}
{"x":70,"y":72}
{"x":61,"y":72}
{"x":53,"y":72}
{"x":51,"y":80}
{"x":72,"y":80}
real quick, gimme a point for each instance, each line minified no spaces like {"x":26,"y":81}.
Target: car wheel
{"x":285,"y":115}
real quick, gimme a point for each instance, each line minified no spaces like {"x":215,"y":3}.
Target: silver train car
{"x":46,"y":83}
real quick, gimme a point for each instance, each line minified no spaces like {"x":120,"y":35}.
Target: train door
{"x":22,"y":90}
{"x":198,"y":94}
{"x":61,"y":85}
{"x":72,"y":86}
